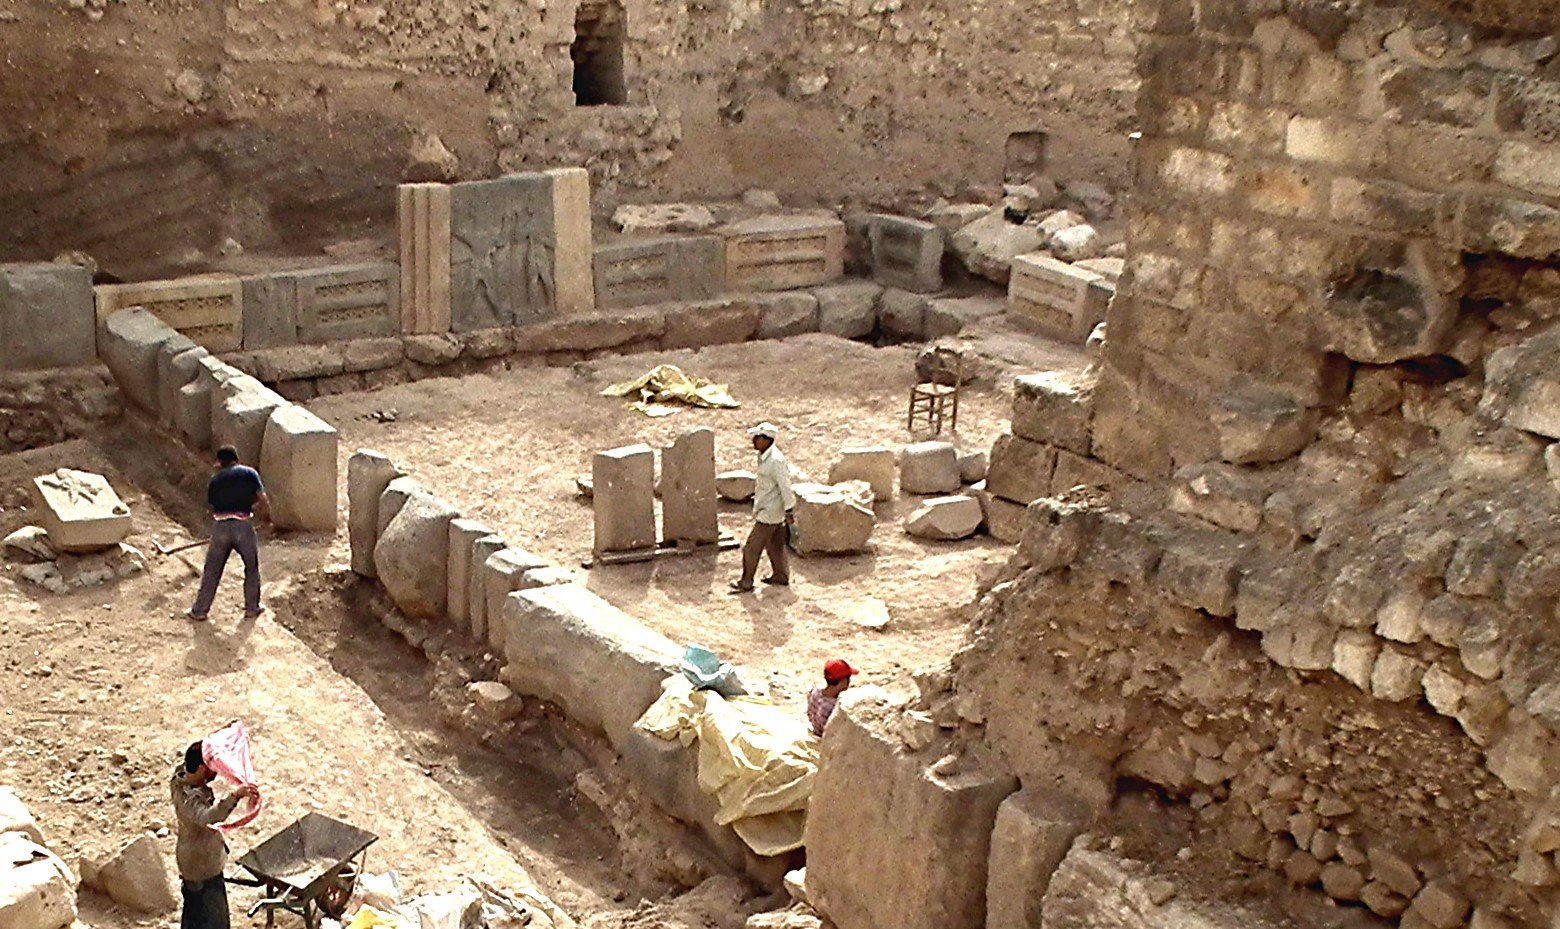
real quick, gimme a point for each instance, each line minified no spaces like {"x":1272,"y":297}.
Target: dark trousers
{"x":765,"y":538}
{"x":228,"y":536}
{"x":205,"y":904}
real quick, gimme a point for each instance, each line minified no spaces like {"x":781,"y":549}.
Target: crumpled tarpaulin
{"x":227,"y":753}
{"x":670,"y":384}
{"x":756,"y":759}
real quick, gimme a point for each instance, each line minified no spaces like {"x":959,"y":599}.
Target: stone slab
{"x":175,"y":369}
{"x":482,"y":549}
{"x":241,"y":407}
{"x":423,"y":218}
{"x":689,"y":506}
{"x":1020,"y":470}
{"x":270,"y":310}
{"x":906,"y":253}
{"x":874,"y":464}
{"x":463,"y":534}
{"x":624,"y":502}
{"x":1035,"y":828}
{"x":851,"y":832}
{"x":1059,"y":299}
{"x":664,"y":269}
{"x":1054,"y":407}
{"x":368,"y":474}
{"x":501,"y":574}
{"x":47,"y":317}
{"x":37,"y":889}
{"x":783,"y":252}
{"x":574,"y":290}
{"x":208,"y":309}
{"x":193,"y":402}
{"x":566,"y":642}
{"x":336,"y":304}
{"x":80,"y":511}
{"x":298,"y":464}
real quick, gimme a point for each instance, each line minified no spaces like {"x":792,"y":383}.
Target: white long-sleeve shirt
{"x":772,"y":496}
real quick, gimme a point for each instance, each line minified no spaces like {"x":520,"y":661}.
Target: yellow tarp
{"x":670,"y":384}
{"x":757,"y":760}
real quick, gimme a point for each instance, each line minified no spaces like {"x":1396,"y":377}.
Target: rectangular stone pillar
{"x":368,"y":474}
{"x":688,"y":501}
{"x":502,"y":574}
{"x":906,"y":253}
{"x":624,"y":500}
{"x":423,"y":216}
{"x":573,"y":279}
{"x":463,"y":534}
{"x":47,"y":317}
{"x":298,"y":466}
{"x":476,"y":585}
{"x":208,"y":309}
{"x":1035,"y":828}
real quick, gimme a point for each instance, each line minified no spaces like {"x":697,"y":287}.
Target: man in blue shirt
{"x":236,"y":496}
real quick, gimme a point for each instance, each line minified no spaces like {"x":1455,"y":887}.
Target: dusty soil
{"x":505,"y":449}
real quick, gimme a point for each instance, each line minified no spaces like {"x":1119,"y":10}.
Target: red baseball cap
{"x":836,"y":669}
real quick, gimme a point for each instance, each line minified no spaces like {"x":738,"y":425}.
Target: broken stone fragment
{"x":929,"y":468}
{"x":1256,"y":425}
{"x":135,"y":877}
{"x":735,"y":486}
{"x":945,"y":519}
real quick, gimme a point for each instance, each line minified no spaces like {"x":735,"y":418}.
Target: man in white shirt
{"x":773,"y":510}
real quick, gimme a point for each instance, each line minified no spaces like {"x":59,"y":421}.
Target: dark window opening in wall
{"x":597,"y":53}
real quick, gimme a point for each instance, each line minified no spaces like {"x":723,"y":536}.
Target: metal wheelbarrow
{"x":309,"y":868}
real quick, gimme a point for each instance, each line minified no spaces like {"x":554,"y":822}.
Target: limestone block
{"x":175,"y":369}
{"x":1384,"y":316}
{"x":546,"y":576}
{"x":1056,"y":297}
{"x":270,"y":310}
{"x":1004,"y":519}
{"x":369,"y":473}
{"x":848,"y":310}
{"x":15,"y":817}
{"x":37,"y":890}
{"x":1302,"y":641}
{"x":192,"y":412}
{"x":874,"y":464}
{"x":1522,"y":385}
{"x":988,"y":245}
{"x":502,"y":574}
{"x":47,"y":317}
{"x":463,"y":534}
{"x":80,"y":511}
{"x":831,"y":521}
{"x":949,"y":316}
{"x":135,"y":876}
{"x":1108,"y":268}
{"x":1396,"y":676}
{"x":482,"y":549}
{"x":297,"y":362}
{"x":1257,"y":425}
{"x":242,"y":408}
{"x":593,"y":332}
{"x":951,"y":217}
{"x":688,"y":498}
{"x":1221,"y":494}
{"x":1073,"y":471}
{"x":565,"y":641}
{"x":1053,"y":407}
{"x":129,"y":346}
{"x":1200,"y":570}
{"x":298,"y":464}
{"x":1076,"y":243}
{"x":624,"y":506}
{"x":929,"y":468}
{"x":735,"y":486}
{"x":1056,"y":532}
{"x":902,"y":315}
{"x":945,"y":518}
{"x":1020,"y":470}
{"x":1034,"y":830}
{"x":785,"y":314}
{"x":973,"y":466}
{"x":663,"y":269}
{"x":423,"y":217}
{"x":784,"y":252}
{"x":711,"y":322}
{"x":947,"y":817}
{"x":397,"y":492}
{"x":1096,"y":888}
{"x":1354,"y":657}
{"x":906,"y":253}
{"x":412,"y":555}
{"x":207,"y":309}
{"x":342,"y":302}
{"x":634,"y":218}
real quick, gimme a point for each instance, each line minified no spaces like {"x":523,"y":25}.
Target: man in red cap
{"x":822,"y":700}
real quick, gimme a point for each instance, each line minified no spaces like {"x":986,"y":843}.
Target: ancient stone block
{"x":500,"y":575}
{"x":1053,"y":407}
{"x":37,"y":890}
{"x":463,"y":535}
{"x":412,"y":555}
{"x":784,"y":252}
{"x":296,"y":363}
{"x":270,"y":310}
{"x":130,"y":343}
{"x":175,"y":369}
{"x":207,"y":309}
{"x":929,"y":468}
{"x":483,"y":548}
{"x":973,"y":466}
{"x":194,"y":401}
{"x":80,"y":511}
{"x":298,"y":465}
{"x":1073,"y":471}
{"x":902,"y":315}
{"x":906,"y":253}
{"x":135,"y":877}
{"x":1260,"y":425}
{"x":831,"y":521}
{"x":711,"y":322}
{"x":1522,"y":384}
{"x":874,"y":464}
{"x":592,"y":332}
{"x":783,"y":315}
{"x":735,"y":486}
{"x":1354,"y":657}
{"x":344,"y":302}
{"x":1396,"y":675}
{"x":624,"y":505}
{"x":659,"y":270}
{"x":47,"y":317}
{"x":1057,"y":297}
{"x":946,"y":518}
{"x":565,"y":641}
{"x":423,"y":215}
{"x":1217,"y":493}
{"x":241,"y":407}
{"x":15,"y":817}
{"x":1200,"y":571}
{"x":368,"y":474}
{"x":850,"y":833}
{"x":1056,"y":532}
{"x":988,"y":245}
{"x":1020,"y":470}
{"x":688,"y":500}
{"x":952,"y":315}
{"x":1034,"y":830}
{"x":1004,"y":519}
{"x":848,"y":310}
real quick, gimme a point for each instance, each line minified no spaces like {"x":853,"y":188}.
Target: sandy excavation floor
{"x":505,"y":448}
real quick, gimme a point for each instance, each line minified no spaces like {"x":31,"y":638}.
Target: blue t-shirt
{"x":234,"y":489}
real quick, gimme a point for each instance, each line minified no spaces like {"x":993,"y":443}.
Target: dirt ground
{"x":505,"y":449}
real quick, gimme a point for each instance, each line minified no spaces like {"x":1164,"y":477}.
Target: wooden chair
{"x":936,"y":401}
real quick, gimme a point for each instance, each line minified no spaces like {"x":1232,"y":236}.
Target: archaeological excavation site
{"x":804,"y":464}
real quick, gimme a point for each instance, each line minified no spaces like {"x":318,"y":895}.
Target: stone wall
{"x":279,"y":125}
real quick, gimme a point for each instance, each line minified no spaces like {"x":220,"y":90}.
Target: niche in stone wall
{"x":1024,"y":156}
{"x":597,"y":53}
